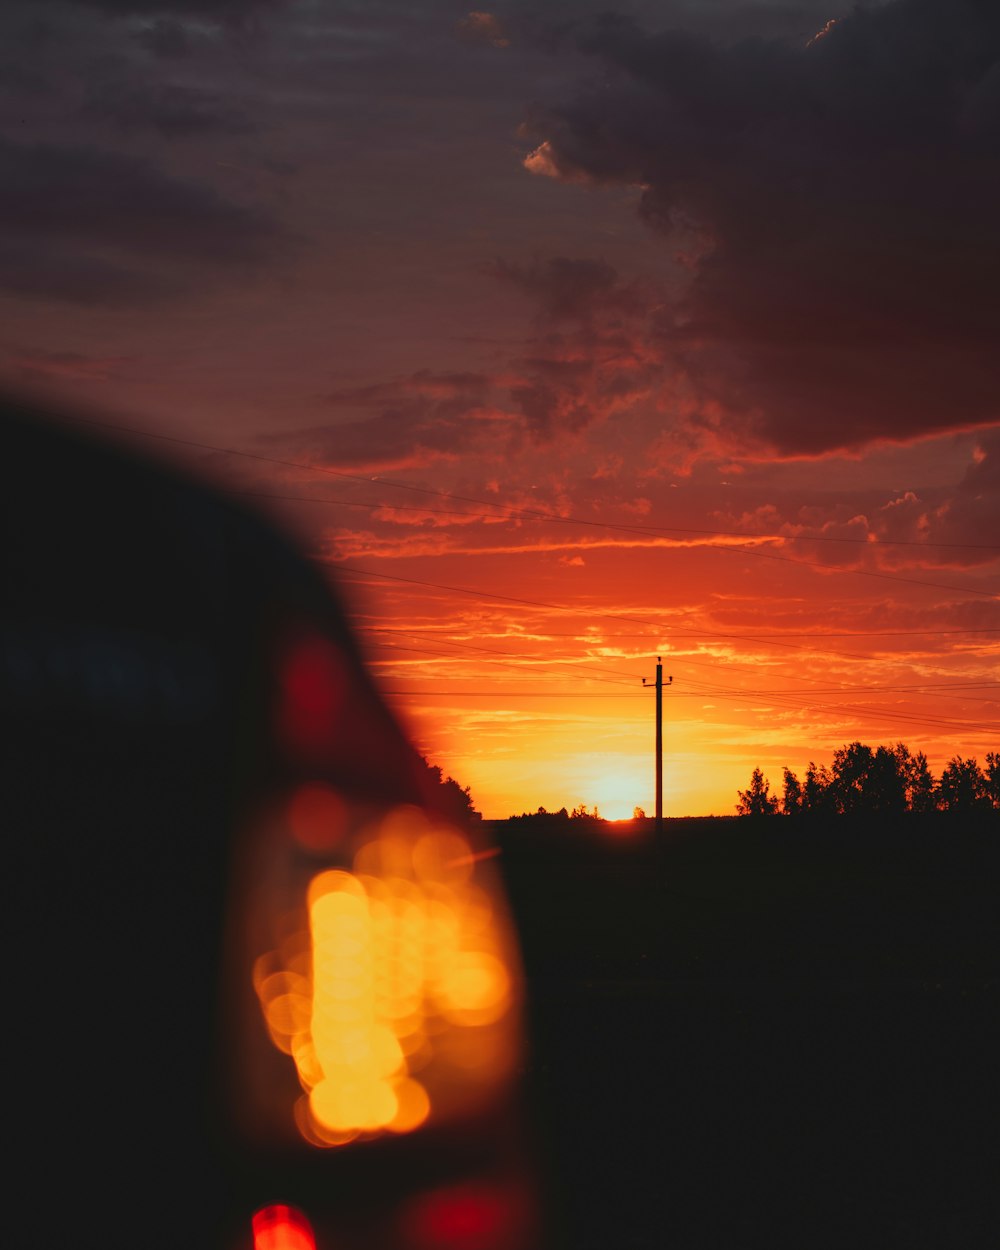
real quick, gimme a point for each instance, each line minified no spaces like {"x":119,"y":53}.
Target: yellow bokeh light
{"x":392,"y":961}
{"x":355,"y":1102}
{"x":440,"y":858}
{"x":412,"y":1107}
{"x":334,"y":882}
{"x":476,"y":988}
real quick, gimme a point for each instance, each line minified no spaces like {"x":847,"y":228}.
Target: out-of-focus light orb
{"x":442,"y":858}
{"x":317,"y":817}
{"x":412,"y":1107}
{"x":334,"y":883}
{"x":476,"y":989}
{"x":401,"y":969}
{"x":353,"y":1100}
{"x":280,"y":1227}
{"x":313,"y":687}
{"x":465,"y":1217}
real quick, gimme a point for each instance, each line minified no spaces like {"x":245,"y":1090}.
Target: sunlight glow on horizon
{"x":735,"y":705}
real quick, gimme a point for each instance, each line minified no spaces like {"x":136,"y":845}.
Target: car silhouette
{"x":263,"y":989}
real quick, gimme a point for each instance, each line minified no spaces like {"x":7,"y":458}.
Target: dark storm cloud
{"x":65,"y":209}
{"x":837,"y":204}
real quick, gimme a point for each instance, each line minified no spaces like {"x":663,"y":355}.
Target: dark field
{"x":763,"y":1034}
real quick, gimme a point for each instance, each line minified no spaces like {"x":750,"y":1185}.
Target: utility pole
{"x":659,"y":741}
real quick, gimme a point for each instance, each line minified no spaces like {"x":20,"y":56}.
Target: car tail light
{"x":380,"y":974}
{"x":281,"y":1227}
{"x":464,"y":1217}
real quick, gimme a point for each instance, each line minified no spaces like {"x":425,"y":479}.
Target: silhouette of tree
{"x":852,"y":777}
{"x":867,"y":781}
{"x":585,"y":818}
{"x":791,"y":801}
{"x":757,"y":801}
{"x":542,"y":817}
{"x":993,"y":777}
{"x":884,"y":781}
{"x":921,"y":793}
{"x":457,"y":801}
{"x":962,"y":787}
{"x":817,"y":790}
{"x":888,"y":780}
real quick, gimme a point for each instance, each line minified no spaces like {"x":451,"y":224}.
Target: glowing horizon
{"x":544,"y":705}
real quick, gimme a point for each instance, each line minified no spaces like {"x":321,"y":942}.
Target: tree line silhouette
{"x":886,"y":780}
{"x":580,"y":816}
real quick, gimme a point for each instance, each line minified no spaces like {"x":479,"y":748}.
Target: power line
{"x":860,"y":633}
{"x":511,"y":694}
{"x":884,"y":577}
{"x":486,"y":594}
{"x":450,"y":655}
{"x":803,"y":698}
{"x":930,"y":687}
{"x":857,"y":712}
{"x":375,"y":507}
{"x":514,"y":512}
{"x":511,"y":512}
{"x":803,"y":702}
{"x":610,"y":616}
{"x":410,"y":633}
{"x":795,"y":701}
{"x":887,"y":633}
{"x":665,"y":531}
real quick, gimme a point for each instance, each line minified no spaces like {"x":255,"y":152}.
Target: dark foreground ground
{"x":761,"y":1034}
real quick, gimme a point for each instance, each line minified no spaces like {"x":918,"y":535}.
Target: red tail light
{"x":469,"y":1217}
{"x":282,"y":1228}
{"x":314,"y":691}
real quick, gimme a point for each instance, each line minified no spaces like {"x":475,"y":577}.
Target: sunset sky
{"x":565,"y":335}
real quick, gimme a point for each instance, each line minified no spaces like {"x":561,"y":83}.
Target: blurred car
{"x":262,"y":991}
